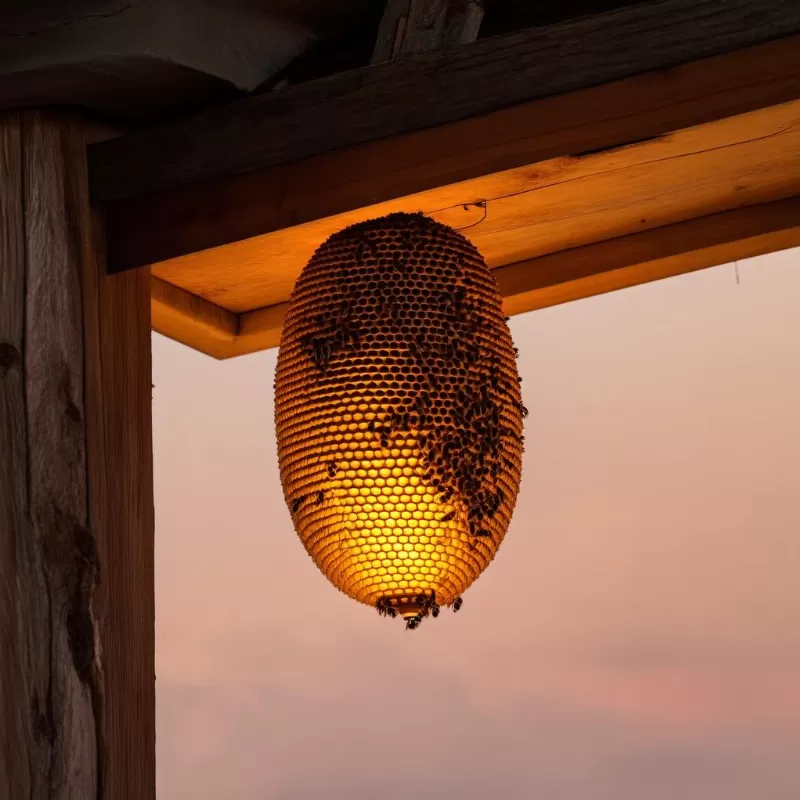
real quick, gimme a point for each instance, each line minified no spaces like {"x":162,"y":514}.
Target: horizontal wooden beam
{"x":650,"y":256}
{"x":188,"y":318}
{"x":192,"y":219}
{"x":539,"y":208}
{"x":555,"y":278}
{"x":430,"y":90}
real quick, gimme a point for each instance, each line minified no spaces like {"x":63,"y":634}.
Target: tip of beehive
{"x":408,"y":610}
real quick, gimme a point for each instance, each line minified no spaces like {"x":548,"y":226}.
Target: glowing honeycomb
{"x":398,"y":414}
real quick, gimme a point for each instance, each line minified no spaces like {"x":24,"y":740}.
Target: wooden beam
{"x":650,"y":256}
{"x":121,"y":512}
{"x":186,"y":317}
{"x":430,"y":90}
{"x":539,"y":208}
{"x":603,"y":267}
{"x":461,"y":155}
{"x":77,"y":685}
{"x":410,"y":27}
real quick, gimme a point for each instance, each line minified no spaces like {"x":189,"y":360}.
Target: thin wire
{"x":736,"y":270}
{"x":480,"y":204}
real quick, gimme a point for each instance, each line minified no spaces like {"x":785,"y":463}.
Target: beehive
{"x":398,"y":414}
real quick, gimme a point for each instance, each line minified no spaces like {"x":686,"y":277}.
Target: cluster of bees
{"x":335,"y":330}
{"x":466,"y":457}
{"x":426,"y":604}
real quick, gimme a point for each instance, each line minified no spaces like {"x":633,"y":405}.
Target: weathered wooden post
{"x":77,"y":679}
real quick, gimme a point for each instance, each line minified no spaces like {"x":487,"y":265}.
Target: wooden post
{"x":409,"y":27}
{"x":77,"y":683}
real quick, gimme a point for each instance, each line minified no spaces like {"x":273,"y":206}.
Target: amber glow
{"x":398,"y":413}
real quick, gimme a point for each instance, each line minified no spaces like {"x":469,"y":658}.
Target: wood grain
{"x":119,"y":431}
{"x":76,"y":728}
{"x":26,"y":733}
{"x":188,"y":220}
{"x":56,"y":733}
{"x":431,"y":89}
{"x":540,"y":208}
{"x":605,"y":266}
{"x":649,"y":256}
{"x":187,"y":317}
{"x":410,"y":27}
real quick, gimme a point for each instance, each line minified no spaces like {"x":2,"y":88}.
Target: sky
{"x":636,"y":638}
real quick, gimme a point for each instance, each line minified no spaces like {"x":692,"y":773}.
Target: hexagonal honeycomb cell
{"x":398,"y":414}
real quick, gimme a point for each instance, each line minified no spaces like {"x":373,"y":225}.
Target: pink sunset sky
{"x":637,"y":637}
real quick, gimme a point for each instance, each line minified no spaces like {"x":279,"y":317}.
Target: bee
{"x":457,"y":603}
{"x":434,"y":611}
{"x":333,"y":468}
{"x":320,"y":496}
{"x":408,"y":240}
{"x":384,"y":442}
{"x":458,"y":295}
{"x":483,"y":533}
{"x":350,"y":334}
{"x":412,"y":623}
{"x":320,"y":352}
{"x":448,"y":517}
{"x":523,"y":410}
{"x":297,"y":502}
{"x":385,"y":608}
{"x":364,"y":245}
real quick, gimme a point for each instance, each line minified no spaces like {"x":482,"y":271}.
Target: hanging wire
{"x":478,"y":204}
{"x":736,"y":270}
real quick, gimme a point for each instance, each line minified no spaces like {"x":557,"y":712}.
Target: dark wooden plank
{"x":56,"y":731}
{"x":25,"y":716}
{"x":76,"y":727}
{"x":57,"y":456}
{"x":431,"y":89}
{"x":455,"y":159}
{"x":410,"y":27}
